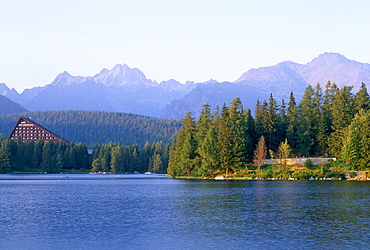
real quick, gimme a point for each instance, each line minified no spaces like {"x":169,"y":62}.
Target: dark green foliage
{"x":7,"y":106}
{"x":306,"y":123}
{"x":292,"y":121}
{"x":355,"y":152}
{"x":4,"y":157}
{"x":220,"y":144}
{"x":92,"y":127}
{"x":343,"y":111}
{"x":55,"y":157}
{"x":362,"y":100}
{"x":184,"y":149}
{"x":332,"y":121}
{"x":319,"y":124}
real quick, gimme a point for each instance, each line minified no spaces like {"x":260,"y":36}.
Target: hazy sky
{"x":193,"y":40}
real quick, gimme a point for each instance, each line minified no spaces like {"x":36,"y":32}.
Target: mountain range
{"x":126,"y":89}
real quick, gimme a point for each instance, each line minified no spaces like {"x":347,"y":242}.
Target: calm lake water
{"x":154,"y":212}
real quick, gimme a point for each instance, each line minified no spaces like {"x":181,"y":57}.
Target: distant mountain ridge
{"x":7,"y":106}
{"x":126,"y":89}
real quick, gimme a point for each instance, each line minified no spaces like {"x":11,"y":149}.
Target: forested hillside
{"x":7,"y":106}
{"x":100,"y":127}
{"x":333,"y":121}
{"x":55,"y":157}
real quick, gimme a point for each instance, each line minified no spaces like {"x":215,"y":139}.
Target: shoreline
{"x":262,"y":179}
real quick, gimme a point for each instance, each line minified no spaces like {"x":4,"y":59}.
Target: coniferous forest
{"x":100,"y":127}
{"x":55,"y":157}
{"x":121,"y":143}
{"x":326,"y":122}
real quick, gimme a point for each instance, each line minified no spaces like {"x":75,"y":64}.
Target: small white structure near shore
{"x":298,"y":161}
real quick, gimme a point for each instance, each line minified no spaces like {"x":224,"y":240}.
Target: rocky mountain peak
{"x":329,"y":59}
{"x":121,"y":74}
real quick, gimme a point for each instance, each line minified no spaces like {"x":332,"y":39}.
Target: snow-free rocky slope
{"x":127,"y":89}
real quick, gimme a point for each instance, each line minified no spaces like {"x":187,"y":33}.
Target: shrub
{"x":268,"y":174}
{"x":300,"y":175}
{"x":309,"y":165}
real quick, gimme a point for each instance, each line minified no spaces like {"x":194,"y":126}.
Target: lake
{"x":82,"y":211}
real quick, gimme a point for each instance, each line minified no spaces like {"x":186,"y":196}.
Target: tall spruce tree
{"x":292,"y":121}
{"x":305,"y":130}
{"x":225,"y":140}
{"x":240,"y":139}
{"x":320,"y":126}
{"x":203,"y":123}
{"x":116,"y":163}
{"x":282,"y":121}
{"x":251,"y":133}
{"x":342,"y":115}
{"x":362,"y":100}
{"x":183,"y":152}
{"x":208,"y":152}
{"x":270,"y":124}
{"x":331,"y":90}
{"x":260,"y":113}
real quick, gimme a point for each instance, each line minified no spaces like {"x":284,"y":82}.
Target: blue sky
{"x":183,"y":40}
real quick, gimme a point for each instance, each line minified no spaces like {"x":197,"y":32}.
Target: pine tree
{"x":82,"y":160}
{"x":203,"y":123}
{"x":116,"y":163}
{"x":282,"y":121}
{"x":320,"y":126}
{"x":4,"y":157}
{"x":259,"y":117}
{"x":183,"y":151}
{"x":251,"y":133}
{"x":188,"y":154}
{"x":145,"y":156}
{"x":208,"y":152}
{"x":305,"y":129}
{"x":97,"y":165}
{"x":362,"y":100}
{"x":20,"y":160}
{"x":330,"y":91}
{"x":240,"y":139}
{"x":225,"y":140}
{"x":342,"y":115}
{"x":292,"y":121}
{"x":48,"y":162}
{"x":156,"y":163}
{"x":270,"y":124}
{"x":37,"y":154}
{"x":350,"y":152}
{"x":356,"y":142}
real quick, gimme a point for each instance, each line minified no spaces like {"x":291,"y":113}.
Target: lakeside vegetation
{"x":229,"y":142}
{"x":331,"y":122}
{"x":56,"y":157}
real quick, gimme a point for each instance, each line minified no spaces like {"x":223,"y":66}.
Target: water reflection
{"x":84,"y":212}
{"x":290,"y":214}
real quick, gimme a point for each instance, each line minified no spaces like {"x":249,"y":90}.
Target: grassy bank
{"x":328,"y":171}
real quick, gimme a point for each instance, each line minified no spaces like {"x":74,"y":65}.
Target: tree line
{"x":55,"y":157}
{"x":326,"y":122}
{"x":100,"y":127}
